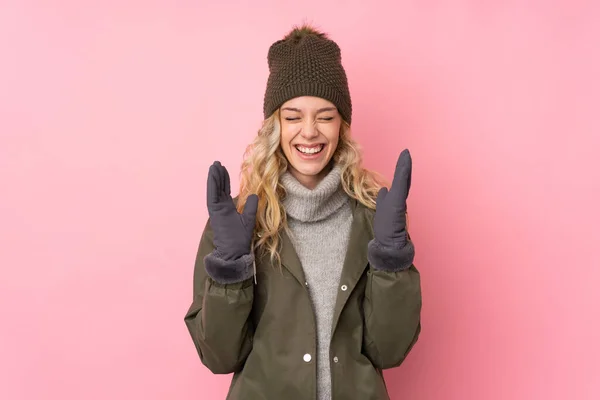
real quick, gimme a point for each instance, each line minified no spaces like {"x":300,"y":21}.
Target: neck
{"x":310,"y":181}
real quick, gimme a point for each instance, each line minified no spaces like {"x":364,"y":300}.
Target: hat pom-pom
{"x":300,"y":32}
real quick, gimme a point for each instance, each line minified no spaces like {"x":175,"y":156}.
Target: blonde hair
{"x":263,"y":165}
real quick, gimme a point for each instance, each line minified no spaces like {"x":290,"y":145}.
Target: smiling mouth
{"x":310,"y":150}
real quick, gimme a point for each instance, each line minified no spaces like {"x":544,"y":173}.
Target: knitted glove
{"x":391,"y":249}
{"x":232,"y":231}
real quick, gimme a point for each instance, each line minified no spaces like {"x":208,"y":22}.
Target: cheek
{"x":333,"y":137}
{"x":285,"y":136}
{"x":284,"y":142}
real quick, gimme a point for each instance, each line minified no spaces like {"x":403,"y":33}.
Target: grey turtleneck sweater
{"x":319,"y":222}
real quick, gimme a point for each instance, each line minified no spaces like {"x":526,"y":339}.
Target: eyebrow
{"x":320,"y":110}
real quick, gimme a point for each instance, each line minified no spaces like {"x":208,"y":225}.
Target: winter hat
{"x":306,"y":63}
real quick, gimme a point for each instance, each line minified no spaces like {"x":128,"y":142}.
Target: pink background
{"x":110,"y":115}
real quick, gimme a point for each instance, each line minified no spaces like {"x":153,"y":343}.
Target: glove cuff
{"x":229,"y":271}
{"x":390,"y":259}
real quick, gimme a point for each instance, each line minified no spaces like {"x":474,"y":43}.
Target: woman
{"x":304,"y":285}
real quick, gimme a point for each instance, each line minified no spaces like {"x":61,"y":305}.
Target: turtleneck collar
{"x":308,"y":205}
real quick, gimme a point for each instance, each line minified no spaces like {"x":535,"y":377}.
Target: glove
{"x":233,"y":231}
{"x":389,"y":224}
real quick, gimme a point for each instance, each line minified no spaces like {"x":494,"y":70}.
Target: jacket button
{"x":307,"y":357}
{"x":335,"y":359}
{"x":305,"y":283}
{"x":344,"y":288}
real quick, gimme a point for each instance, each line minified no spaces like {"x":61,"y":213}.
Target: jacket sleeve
{"x":219,"y":317}
{"x":392,"y":305}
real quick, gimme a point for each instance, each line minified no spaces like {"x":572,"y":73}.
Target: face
{"x":310,"y":131}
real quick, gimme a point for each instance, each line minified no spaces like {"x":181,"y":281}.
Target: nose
{"x":309,"y":130}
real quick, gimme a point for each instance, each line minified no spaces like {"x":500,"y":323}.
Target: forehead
{"x":307,"y":103}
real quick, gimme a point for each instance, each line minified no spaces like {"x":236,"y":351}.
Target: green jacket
{"x":265,"y":334}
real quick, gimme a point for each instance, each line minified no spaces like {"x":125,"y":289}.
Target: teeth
{"x":312,"y":150}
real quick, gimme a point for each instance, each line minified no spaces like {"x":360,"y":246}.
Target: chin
{"x":309,"y":170}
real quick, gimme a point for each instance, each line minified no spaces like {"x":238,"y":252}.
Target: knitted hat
{"x":306,"y":63}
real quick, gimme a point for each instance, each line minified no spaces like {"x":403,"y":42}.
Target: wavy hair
{"x":264,"y":163}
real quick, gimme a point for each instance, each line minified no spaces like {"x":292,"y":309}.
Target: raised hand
{"x":232,"y":231}
{"x":390,"y":216}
